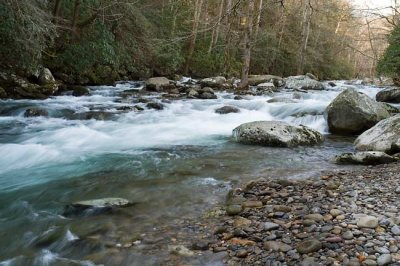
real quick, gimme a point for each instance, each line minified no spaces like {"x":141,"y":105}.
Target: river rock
{"x":268,"y":226}
{"x":78,"y":91}
{"x":46,"y":77}
{"x":214,"y":82}
{"x":365,"y":158}
{"x":352,"y":112}
{"x":255,"y":80}
{"x":156,"y":106}
{"x":276,"y":134}
{"x":207,"y":96}
{"x":384,"y":259}
{"x":95,"y":206}
{"x":32,"y":112}
{"x":180,"y":250}
{"x":234,"y":209}
{"x":277,"y":246}
{"x":303,"y":83}
{"x":389,"y":95}
{"x":227,"y":110}
{"x":368,"y":222}
{"x":281,"y":100}
{"x":159,"y":84}
{"x":309,"y":246}
{"x":395,"y":230}
{"x":384,"y":137}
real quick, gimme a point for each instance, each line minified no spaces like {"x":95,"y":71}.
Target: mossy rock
{"x":3,"y":93}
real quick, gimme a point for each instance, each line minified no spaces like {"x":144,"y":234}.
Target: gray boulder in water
{"x":390,"y":95}
{"x":227,"y":110}
{"x":384,"y":137}
{"x":32,"y":112}
{"x":95,"y":206}
{"x":303,"y":83}
{"x":276,"y":134}
{"x":365,"y":158}
{"x":352,"y":112}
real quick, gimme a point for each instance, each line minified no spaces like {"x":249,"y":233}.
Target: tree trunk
{"x":228,"y":37}
{"x":257,"y":26}
{"x":75,"y":16}
{"x":305,"y":36}
{"x":56,"y":11}
{"x":246,"y":46}
{"x":215,"y":33}
{"x":193,"y":36}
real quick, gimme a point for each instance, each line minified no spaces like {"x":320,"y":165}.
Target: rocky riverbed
{"x":339,"y":218}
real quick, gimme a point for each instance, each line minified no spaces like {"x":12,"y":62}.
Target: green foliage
{"x":389,"y":64}
{"x":25,"y":33}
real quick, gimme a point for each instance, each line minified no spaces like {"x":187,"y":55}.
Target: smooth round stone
{"x":348,"y":235}
{"x":242,"y":253}
{"x":233,"y":209}
{"x":314,"y":217}
{"x":395,"y":230}
{"x":270,"y":226}
{"x":309,"y":246}
{"x":277,"y":246}
{"x":367,"y":222}
{"x":369,"y":262}
{"x":335,"y":212}
{"x":340,"y":217}
{"x":384,"y":259}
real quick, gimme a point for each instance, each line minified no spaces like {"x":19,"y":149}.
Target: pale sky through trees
{"x":372,"y":3}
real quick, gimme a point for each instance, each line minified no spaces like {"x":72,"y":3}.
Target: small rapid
{"x":173,"y":163}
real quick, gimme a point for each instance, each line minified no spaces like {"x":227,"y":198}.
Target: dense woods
{"x":99,"y":41}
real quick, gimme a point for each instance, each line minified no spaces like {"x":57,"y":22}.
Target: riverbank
{"x":340,"y":218}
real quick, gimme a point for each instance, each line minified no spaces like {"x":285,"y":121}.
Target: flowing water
{"x":173,"y":164}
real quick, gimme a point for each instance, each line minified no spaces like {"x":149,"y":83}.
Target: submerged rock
{"x":365,"y":158}
{"x":95,"y":206}
{"x":384,"y":137}
{"x":352,"y":112}
{"x":281,"y":100}
{"x":276,"y":134}
{"x":32,"y":112}
{"x":227,"y":110}
{"x":78,"y":91}
{"x":303,"y":83}
{"x":156,"y":106}
{"x":390,"y":95}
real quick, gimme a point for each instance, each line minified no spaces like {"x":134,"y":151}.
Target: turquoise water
{"x":173,"y":164}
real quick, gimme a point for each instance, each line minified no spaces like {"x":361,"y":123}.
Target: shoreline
{"x":344,"y":217}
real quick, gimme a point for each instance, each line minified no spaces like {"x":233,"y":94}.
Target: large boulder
{"x":214,"y":82}
{"x":276,"y":134}
{"x":365,"y":158}
{"x":255,"y":80}
{"x":302,"y":83}
{"x":45,"y":77}
{"x":384,"y":136}
{"x":159,"y":84}
{"x":390,"y":95}
{"x":352,"y":112}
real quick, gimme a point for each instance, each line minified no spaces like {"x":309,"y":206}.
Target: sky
{"x":373,"y":3}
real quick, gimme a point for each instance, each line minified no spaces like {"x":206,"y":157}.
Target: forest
{"x":101,"y":41}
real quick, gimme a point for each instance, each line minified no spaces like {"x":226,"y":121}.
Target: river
{"x":174,"y":164}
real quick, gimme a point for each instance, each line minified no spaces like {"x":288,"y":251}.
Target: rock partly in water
{"x":78,"y":91}
{"x":365,"y":158}
{"x":207,"y":96}
{"x":384,"y":137}
{"x":159,"y":84}
{"x":255,"y":80}
{"x":214,"y":82}
{"x":390,"y":95}
{"x":227,"y":110}
{"x":352,"y":112}
{"x":33,"y":112}
{"x":276,"y":134}
{"x":95,"y":206}
{"x":303,"y":83}
{"x":155,"y":106}
{"x":281,"y":100}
